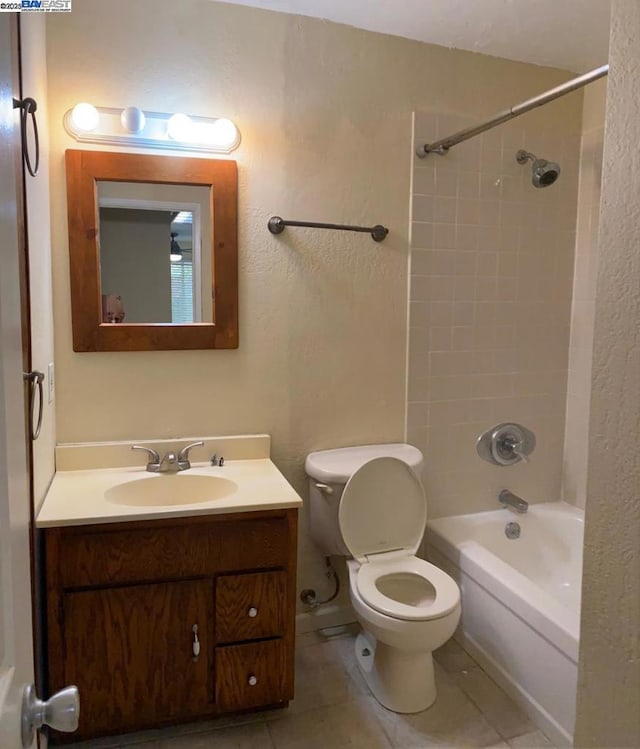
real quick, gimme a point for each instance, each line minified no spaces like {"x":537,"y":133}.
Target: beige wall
{"x":325,"y":115}
{"x":576,"y":444}
{"x":491,"y":274}
{"x":609,"y":671}
{"x":34,"y":72}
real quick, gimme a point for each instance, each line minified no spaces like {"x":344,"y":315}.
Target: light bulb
{"x":180,"y":127}
{"x":133,"y":119}
{"x":85,"y":116}
{"x":223,"y":132}
{"x":175,"y":258}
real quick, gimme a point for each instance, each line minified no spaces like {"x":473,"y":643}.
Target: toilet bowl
{"x":406,"y":606}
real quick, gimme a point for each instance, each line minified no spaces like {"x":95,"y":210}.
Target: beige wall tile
{"x":500,"y":351}
{"x":422,"y":208}
{"x":444,"y":236}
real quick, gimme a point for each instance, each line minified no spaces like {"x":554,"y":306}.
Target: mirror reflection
{"x":152,"y":268}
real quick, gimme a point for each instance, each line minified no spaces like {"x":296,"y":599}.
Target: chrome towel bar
{"x":276,"y":225}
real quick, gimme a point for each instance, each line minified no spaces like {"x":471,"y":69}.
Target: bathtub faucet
{"x":509,"y":499}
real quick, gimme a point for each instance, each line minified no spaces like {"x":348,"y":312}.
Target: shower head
{"x":544,"y":173}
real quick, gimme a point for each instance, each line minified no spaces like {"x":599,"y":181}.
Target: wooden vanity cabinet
{"x":123,"y":600}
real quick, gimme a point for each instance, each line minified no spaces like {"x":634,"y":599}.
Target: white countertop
{"x":78,"y":497}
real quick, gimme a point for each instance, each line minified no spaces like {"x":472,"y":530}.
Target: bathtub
{"x":520,"y":603}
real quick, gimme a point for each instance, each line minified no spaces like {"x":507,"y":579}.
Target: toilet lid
{"x":383,"y":508}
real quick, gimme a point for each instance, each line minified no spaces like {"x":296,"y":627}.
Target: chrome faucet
{"x":509,"y":499}
{"x":170,"y":463}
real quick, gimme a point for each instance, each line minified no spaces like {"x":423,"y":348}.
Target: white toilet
{"x":368,"y":503}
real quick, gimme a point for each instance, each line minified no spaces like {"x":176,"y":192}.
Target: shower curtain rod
{"x":442,"y":146}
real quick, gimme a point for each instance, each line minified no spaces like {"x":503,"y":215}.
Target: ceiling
{"x":569,"y":34}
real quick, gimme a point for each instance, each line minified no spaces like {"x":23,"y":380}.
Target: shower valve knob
{"x":506,"y":444}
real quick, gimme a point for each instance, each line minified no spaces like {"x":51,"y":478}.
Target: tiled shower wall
{"x":490,"y":302}
{"x":584,"y":297}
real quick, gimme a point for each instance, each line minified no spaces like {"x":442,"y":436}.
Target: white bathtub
{"x":520,"y":602}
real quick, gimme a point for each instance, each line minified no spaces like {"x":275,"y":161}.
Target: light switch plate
{"x":51,"y":384}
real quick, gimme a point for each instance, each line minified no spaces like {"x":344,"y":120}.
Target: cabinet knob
{"x":253,"y":612}
{"x":252,"y":681}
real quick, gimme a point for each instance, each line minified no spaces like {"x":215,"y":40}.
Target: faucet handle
{"x":183,"y":455}
{"x":517,"y":449}
{"x":153,"y":455}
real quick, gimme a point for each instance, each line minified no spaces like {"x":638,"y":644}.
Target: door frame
{"x":16,"y":505}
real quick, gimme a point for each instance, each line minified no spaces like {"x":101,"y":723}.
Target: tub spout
{"x":509,"y":499}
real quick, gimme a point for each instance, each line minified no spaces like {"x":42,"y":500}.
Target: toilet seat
{"x":447,"y":593}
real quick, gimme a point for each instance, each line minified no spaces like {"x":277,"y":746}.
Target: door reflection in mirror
{"x":150,"y":253}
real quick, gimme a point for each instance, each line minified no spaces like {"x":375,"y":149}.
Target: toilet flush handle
{"x":324,"y":488}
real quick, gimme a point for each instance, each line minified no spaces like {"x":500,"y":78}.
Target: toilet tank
{"x":329,"y":471}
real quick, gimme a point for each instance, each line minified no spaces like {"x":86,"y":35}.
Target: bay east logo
{"x":46,"y":6}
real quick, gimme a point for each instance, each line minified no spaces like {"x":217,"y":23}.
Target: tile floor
{"x":334,"y":709}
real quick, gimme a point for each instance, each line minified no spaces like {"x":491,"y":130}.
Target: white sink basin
{"x":165,"y":490}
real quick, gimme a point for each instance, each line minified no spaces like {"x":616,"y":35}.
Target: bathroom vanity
{"x":170,"y":613}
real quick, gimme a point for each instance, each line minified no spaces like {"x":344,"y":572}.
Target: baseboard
{"x":557,"y":734}
{"x":323,"y":617}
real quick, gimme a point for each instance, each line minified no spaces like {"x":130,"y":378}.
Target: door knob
{"x":61,"y":711}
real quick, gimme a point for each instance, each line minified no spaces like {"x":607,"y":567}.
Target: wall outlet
{"x":51,"y":383}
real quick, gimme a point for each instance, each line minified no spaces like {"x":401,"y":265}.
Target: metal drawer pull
{"x":196,"y":642}
{"x":253,"y":612}
{"x":252,"y":681}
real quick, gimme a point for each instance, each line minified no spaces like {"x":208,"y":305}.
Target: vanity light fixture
{"x":133,"y":120}
{"x":84,"y":117}
{"x":133,"y":127}
{"x":181,"y":127}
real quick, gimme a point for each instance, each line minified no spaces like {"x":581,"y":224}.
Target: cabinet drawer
{"x":251,"y":606}
{"x":251,"y":675}
{"x":137,"y":552}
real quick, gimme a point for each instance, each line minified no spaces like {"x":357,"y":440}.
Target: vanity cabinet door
{"x":130,"y":651}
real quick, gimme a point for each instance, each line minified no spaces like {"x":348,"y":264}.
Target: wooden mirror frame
{"x":84,"y":170}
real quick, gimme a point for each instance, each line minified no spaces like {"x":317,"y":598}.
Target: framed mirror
{"x":153,"y":252}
